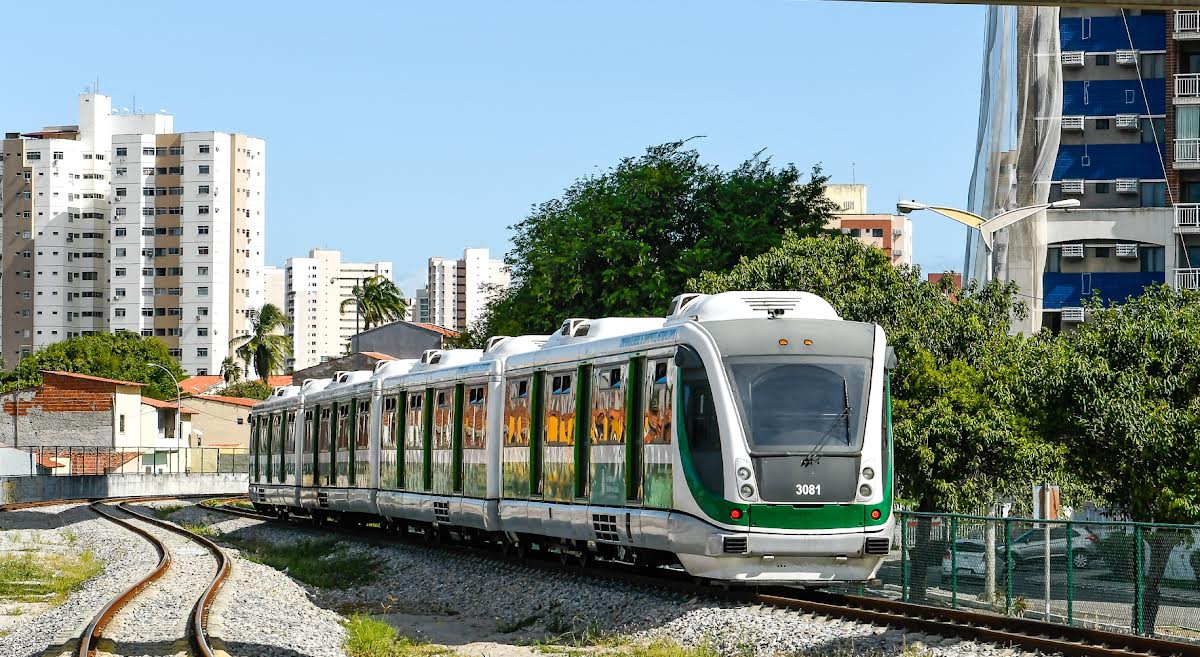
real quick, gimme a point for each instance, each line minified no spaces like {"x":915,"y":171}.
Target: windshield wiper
{"x":843,"y":416}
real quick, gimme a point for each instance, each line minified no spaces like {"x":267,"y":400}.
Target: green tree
{"x":378,"y":301}
{"x":625,"y":241}
{"x":256,"y":389}
{"x":264,"y":345}
{"x":122,"y":355}
{"x":960,"y":440}
{"x":1122,"y":392}
{"x":231,"y":370}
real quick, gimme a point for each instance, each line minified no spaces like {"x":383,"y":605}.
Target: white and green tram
{"x":746,"y":436}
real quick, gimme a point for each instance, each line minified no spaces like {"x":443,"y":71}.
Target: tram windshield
{"x":806,"y":405}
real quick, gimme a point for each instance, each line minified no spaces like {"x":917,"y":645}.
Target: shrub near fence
{"x":1101,"y":574}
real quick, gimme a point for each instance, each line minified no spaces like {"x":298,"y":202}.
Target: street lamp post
{"x":987,"y":227}
{"x":178,"y":407}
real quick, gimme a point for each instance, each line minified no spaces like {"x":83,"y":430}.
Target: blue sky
{"x":401,"y":131}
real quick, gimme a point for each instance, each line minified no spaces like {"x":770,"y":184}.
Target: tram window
{"x":700,"y":426}
{"x":614,"y":378}
{"x":660,"y":373}
{"x":523,"y":388}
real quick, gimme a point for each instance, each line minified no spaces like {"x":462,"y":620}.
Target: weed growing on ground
{"x":71,"y":537}
{"x":367,"y":637}
{"x":324,"y":563}
{"x":45,"y":578}
{"x":164,"y":511}
{"x":207,"y":531}
{"x":508,"y":627}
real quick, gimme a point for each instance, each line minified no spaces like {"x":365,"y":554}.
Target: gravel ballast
{"x":69,"y":529}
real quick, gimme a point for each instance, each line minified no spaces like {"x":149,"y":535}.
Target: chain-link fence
{"x":1118,"y":576}
{"x":76,"y":461}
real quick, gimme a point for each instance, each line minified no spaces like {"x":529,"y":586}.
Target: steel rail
{"x":1032,"y":634}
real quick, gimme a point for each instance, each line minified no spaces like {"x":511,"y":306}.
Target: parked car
{"x":970,"y":559}
{"x":1076,"y":541}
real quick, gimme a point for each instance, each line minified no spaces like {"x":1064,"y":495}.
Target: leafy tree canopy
{"x":254,"y":389}
{"x":624,"y":242}
{"x":379,"y":301}
{"x":122,"y":355}
{"x":264,"y":345}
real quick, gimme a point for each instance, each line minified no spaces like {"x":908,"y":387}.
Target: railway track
{"x":156,"y":606}
{"x":928,"y":620}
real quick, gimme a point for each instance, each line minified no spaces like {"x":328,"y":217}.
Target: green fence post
{"x":903,"y":557}
{"x":1008,"y":574}
{"x":1070,"y":573}
{"x":1138,"y":584}
{"x":954,"y":562}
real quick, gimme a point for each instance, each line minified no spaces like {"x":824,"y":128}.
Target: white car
{"x":970,"y":560}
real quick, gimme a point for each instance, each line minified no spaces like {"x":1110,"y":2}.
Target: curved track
{"x":1004,"y":630}
{"x":198,"y":618}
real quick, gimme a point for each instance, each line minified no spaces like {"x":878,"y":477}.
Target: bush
{"x":257,"y":389}
{"x":1119,"y":553}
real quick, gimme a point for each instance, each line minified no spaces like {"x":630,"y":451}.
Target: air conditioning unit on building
{"x":1073,"y":315}
{"x":1128,"y":122}
{"x":1072,"y":250}
{"x":1127,"y":251}
{"x":1072,"y":58}
{"x":1072,"y":123}
{"x":1127,"y":185}
{"x":1072,"y":187}
{"x":1127,"y":57}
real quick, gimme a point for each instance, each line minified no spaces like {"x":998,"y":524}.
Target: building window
{"x":147,"y":150}
{"x":58,"y":155}
{"x":202,"y":271}
{"x":1101,"y":251}
{"x":201,"y":230}
{"x":203,"y":209}
{"x":1153,"y":258}
{"x":120,"y":252}
{"x":202,"y":332}
{"x":1102,"y":188}
{"x":1153,"y":195}
{"x":122,"y":151}
{"x":876,"y":232}
{"x":120,"y":191}
{"x":203,"y":189}
{"x":204,"y":148}
{"x":1153,"y":65}
{"x":118,"y":312}
{"x":202,"y":250}
{"x":120,"y":292}
{"x":202,"y":311}
{"x":121,"y":422}
{"x":202,"y":352}
{"x":1054,"y":260}
{"x":204,"y":169}
{"x":1103,"y":124}
{"x":202,"y":291}
{"x":119,"y":271}
{"x":1102,"y":60}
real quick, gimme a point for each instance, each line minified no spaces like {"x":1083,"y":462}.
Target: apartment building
{"x":274,"y":281}
{"x":314,"y":289}
{"x":1104,"y":107}
{"x":459,"y":290}
{"x":890,"y":232}
{"x":120,"y":223}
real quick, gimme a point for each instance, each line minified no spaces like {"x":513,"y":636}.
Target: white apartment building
{"x":119,"y":223}
{"x":889,"y":232}
{"x":459,"y":290}
{"x":314,"y":288}
{"x":274,"y":280}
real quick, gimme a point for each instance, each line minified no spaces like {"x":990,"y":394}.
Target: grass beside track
{"x":45,"y":578}
{"x":324,"y":562}
{"x":162,"y":512}
{"x":367,"y":637}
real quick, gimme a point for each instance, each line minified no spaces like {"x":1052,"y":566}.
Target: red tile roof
{"x":279,"y":380}
{"x":197,"y":385}
{"x":377,"y":355}
{"x":237,"y":401}
{"x":47,"y":462}
{"x":437,"y":329}
{"x":158,"y":403}
{"x":102,"y":463}
{"x":88,"y":377}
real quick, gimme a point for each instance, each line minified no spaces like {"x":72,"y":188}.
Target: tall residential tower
{"x":314,"y":289}
{"x":120,"y":223}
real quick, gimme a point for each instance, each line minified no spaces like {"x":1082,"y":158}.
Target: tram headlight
{"x":743,"y":473}
{"x":747,"y":491}
{"x":864,"y":490}
{"x":868,"y":473}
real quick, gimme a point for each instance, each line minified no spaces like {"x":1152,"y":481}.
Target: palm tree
{"x":265,"y":345}
{"x":230,"y":370}
{"x":377,"y":300}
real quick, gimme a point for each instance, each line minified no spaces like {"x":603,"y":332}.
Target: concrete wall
{"x":218,"y":423}
{"x":38,"y":425}
{"x":33,"y":489}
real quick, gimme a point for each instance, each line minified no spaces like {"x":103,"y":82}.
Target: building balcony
{"x":1187,"y":153}
{"x":1187,"y":24}
{"x":1072,"y":58}
{"x":1187,"y":217}
{"x":1187,"y":87}
{"x":1187,"y":279}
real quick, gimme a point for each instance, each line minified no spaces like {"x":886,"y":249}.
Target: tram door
{"x":657,"y":433}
